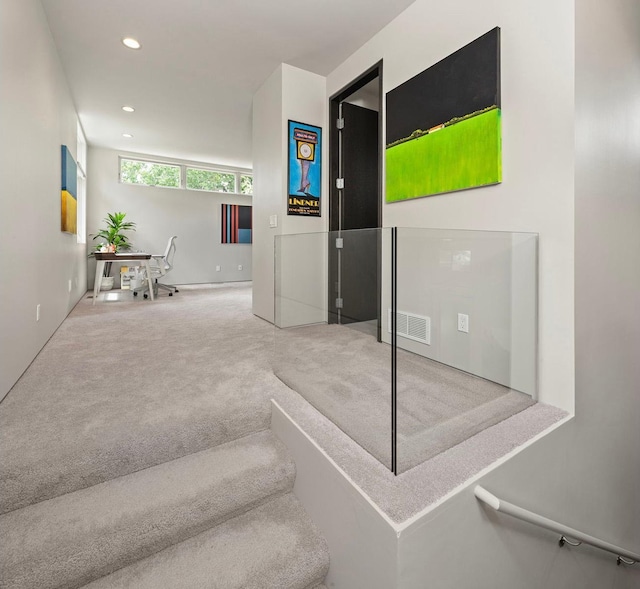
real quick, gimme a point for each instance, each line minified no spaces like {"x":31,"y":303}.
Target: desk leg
{"x":97,"y":283}
{"x":149,"y":279}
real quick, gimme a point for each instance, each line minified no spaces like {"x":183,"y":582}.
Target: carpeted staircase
{"x":89,"y":499}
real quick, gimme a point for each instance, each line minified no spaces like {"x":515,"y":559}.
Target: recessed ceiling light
{"x":131,"y":43}
{"x":127,"y":135}
{"x":128,"y":108}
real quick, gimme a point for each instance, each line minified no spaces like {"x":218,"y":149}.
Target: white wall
{"x":586,"y":474}
{"x":268,"y":188}
{"x":607,"y":281}
{"x":38,"y":260}
{"x":367,"y":97}
{"x":159,"y":213}
{"x":536,"y":194}
{"x":289,"y":93}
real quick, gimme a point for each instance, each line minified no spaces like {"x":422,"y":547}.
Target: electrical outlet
{"x":463,"y":322}
{"x":37,"y":312}
{"x":218,"y":268}
{"x":239,"y":266}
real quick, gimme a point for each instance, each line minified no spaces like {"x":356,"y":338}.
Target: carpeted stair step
{"x":71,"y":540}
{"x":274,"y":546}
{"x":103,"y":440}
{"x":126,"y":386}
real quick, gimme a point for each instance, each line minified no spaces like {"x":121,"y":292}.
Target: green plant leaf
{"x":113,"y":234}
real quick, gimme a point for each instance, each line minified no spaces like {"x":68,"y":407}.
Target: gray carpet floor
{"x":346,"y":375}
{"x":156,"y":381}
{"x":126,"y":385}
{"x":137,"y":452}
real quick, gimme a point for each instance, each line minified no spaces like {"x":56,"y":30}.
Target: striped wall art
{"x":236,"y":224}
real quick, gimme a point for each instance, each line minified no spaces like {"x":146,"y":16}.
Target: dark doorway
{"x":355,"y":211}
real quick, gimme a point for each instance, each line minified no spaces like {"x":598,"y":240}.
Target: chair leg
{"x":170,"y":287}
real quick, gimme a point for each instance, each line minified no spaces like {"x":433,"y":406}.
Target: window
{"x":149,"y":173}
{"x":246,"y":184}
{"x":212,"y":180}
{"x":175,"y":175}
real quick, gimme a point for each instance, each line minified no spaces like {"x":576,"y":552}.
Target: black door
{"x":360,"y":167}
{"x":353,"y":244}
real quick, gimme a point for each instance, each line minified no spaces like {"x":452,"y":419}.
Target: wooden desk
{"x":102,"y":258}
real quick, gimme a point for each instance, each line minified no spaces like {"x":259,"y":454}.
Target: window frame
{"x":237,"y":173}
{"x":121,"y":158}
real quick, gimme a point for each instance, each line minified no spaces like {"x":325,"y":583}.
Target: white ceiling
{"x":201,"y":61}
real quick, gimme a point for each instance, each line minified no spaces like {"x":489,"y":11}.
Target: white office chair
{"x":161,"y":265}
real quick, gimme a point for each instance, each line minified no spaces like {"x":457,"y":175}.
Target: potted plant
{"x":114,"y":241}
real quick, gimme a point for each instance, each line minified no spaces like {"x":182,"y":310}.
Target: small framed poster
{"x":305,"y":169}
{"x":236,"y":224}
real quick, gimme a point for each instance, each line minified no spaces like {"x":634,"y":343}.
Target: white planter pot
{"x":107,"y":283}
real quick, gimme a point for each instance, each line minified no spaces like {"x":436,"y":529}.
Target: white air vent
{"x":410,"y":326}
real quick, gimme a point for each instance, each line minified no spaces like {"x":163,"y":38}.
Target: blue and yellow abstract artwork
{"x":69,"y":194}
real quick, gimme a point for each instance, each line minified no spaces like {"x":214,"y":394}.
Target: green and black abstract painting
{"x":444,"y":125}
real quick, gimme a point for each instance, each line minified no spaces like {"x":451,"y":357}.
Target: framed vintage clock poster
{"x":305,"y":169}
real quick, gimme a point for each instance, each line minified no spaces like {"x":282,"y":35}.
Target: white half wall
{"x":362,"y":544}
{"x":289,"y":93}
{"x":536,"y":194}
{"x":193,"y":215}
{"x":40,"y":264}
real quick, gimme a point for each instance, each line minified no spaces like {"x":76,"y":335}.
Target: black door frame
{"x":375,"y":71}
{"x":363,"y":79}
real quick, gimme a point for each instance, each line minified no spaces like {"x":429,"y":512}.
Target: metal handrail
{"x":624,"y":556}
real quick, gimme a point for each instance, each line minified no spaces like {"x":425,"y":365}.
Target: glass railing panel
{"x":464,"y":305}
{"x":328,"y":293}
{"x":466,"y":335}
{"x":300,"y":279}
